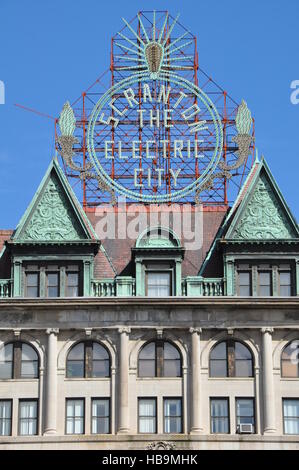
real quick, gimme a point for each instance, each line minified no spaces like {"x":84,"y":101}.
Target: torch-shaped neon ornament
{"x":243,"y":138}
{"x":67,"y":124}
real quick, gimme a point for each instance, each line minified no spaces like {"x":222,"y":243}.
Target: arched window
{"x":159,"y":359}
{"x":231,"y":359}
{"x":290,"y":360}
{"x":18,"y":361}
{"x":88,"y":359}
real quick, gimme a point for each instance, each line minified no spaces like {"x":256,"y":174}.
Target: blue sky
{"x":52,"y":50}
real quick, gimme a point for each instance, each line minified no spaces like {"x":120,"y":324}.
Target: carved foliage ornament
{"x":53,"y":218}
{"x":161,"y":445}
{"x":264,"y":217}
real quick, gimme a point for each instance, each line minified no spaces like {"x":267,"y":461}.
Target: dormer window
{"x":265,"y":279}
{"x":158,"y":257}
{"x":159,"y":280}
{"x":52,"y":280}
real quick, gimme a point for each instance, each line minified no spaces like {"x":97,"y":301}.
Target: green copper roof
{"x":54,"y":214}
{"x":262,"y":213}
{"x":245,"y":221}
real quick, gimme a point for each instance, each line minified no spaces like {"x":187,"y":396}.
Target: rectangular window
{"x":52,"y":280}
{"x":100,"y":416}
{"x":147,"y":415}
{"x":27,"y":417}
{"x":285,"y":283}
{"x":219,"y":416}
{"x":274,"y":278}
{"x":245,"y":412}
{"x":158,"y":284}
{"x":264,"y":283}
{"x":31,"y":284}
{"x":291,"y":416}
{"x":173,"y":415}
{"x":72,"y":281}
{"x":52,"y":284}
{"x":244,"y":283}
{"x":75,"y":416}
{"x":5,"y":417}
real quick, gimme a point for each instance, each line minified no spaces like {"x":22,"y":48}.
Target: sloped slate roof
{"x":117,"y":256}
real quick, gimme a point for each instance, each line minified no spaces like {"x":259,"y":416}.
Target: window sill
{"x":19,"y":380}
{"x":87,"y":379}
{"x":158,"y":378}
{"x":237,"y":379}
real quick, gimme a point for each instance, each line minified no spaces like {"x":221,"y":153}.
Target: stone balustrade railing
{"x":103,"y":288}
{"x":192,"y":286}
{"x":197,"y":286}
{"x":5,"y":287}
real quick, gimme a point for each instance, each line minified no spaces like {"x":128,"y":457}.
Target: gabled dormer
{"x":53,"y":246}
{"x":158,"y":256}
{"x":260,"y":240}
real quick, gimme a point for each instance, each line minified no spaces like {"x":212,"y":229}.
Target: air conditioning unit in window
{"x":245,"y":428}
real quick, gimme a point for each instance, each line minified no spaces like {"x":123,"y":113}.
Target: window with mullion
{"x":244,"y":283}
{"x":32,"y":284}
{"x":6,"y":361}
{"x":100,"y":416}
{"x":52,"y":283}
{"x":147,"y":360}
{"x":284,"y":283}
{"x":88,"y":359}
{"x":290,"y":360}
{"x":173,"y":415}
{"x":27,"y":417}
{"x":72,"y":281}
{"x":52,"y":280}
{"x":147,"y":415}
{"x":291,"y":416}
{"x":5,"y":417}
{"x":18,"y":360}
{"x":219,"y":415}
{"x":231,"y":358}
{"x":75,"y":414}
{"x":159,"y":358}
{"x":245,"y":413}
{"x":264,"y":280}
{"x":158,"y":283}
{"x":264,"y":283}
{"x":29,"y":362}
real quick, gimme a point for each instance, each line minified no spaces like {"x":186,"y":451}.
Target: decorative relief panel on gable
{"x":156,"y":242}
{"x":264,"y":216}
{"x":53,"y":218}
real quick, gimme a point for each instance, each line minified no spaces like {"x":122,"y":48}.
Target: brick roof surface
{"x":115,"y":255}
{"x":4,"y":260}
{"x":118,"y":250}
{"x":5,"y":235}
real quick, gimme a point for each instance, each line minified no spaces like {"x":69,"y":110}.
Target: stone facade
{"x":115,"y":312}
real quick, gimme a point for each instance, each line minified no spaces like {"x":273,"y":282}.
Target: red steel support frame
{"x":223,"y":191}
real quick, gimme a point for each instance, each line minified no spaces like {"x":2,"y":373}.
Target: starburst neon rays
{"x":153,"y":52}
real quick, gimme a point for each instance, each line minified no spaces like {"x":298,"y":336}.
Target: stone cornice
{"x":172,"y":302}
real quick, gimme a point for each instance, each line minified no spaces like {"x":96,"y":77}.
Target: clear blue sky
{"x":51,"y":50}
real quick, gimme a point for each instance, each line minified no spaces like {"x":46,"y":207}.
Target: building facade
{"x":125,"y":344}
